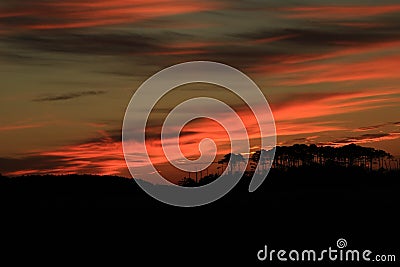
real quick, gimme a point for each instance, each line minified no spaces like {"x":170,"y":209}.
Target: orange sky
{"x":329,"y":72}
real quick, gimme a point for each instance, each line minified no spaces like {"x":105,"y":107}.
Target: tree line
{"x":306,"y":155}
{"x":283,"y":157}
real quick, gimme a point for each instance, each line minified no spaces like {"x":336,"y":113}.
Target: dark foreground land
{"x":306,"y":188}
{"x":296,"y":208}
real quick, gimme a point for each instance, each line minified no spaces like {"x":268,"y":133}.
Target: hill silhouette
{"x":298,"y":207}
{"x":293,"y":187}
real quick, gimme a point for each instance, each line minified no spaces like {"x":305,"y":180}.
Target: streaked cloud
{"x":365,"y":139}
{"x":318,"y":105}
{"x":377,"y":126}
{"x":339,"y":11}
{"x":20,"y":126}
{"x":72,"y":14}
{"x":374,"y":69}
{"x":68,"y":96}
{"x":330,"y":71}
{"x":102,"y":155}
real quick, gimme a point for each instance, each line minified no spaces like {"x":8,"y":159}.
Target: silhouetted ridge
{"x":328,"y":186}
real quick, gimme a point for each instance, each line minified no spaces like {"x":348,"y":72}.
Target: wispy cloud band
{"x":68,"y":96}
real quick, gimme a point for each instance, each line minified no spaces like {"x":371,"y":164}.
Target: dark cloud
{"x":111,"y":136}
{"x":365,"y":138}
{"x":68,"y":96}
{"x":328,"y":35}
{"x":51,"y":15}
{"x":377,"y":126}
{"x":67,"y":41}
{"x":241,"y":50}
{"x":305,"y":35}
{"x":368,"y":128}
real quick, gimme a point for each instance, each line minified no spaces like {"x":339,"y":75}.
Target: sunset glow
{"x":329,"y":72}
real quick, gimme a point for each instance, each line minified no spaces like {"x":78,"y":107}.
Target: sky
{"x":329,"y":69}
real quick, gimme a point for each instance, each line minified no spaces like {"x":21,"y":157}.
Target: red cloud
{"x":319,"y":105}
{"x":351,"y":50}
{"x":190,"y":137}
{"x":382,"y":68}
{"x":289,"y":116}
{"x":105,"y":156}
{"x":291,"y":73}
{"x":293,"y":128}
{"x":194,"y":45}
{"x":273,"y":39}
{"x":20,"y":126}
{"x":81,"y":14}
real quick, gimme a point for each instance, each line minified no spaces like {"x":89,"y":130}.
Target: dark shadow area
{"x":301,"y":205}
{"x":310,"y":188}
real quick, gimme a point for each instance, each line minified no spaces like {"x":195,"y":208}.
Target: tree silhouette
{"x":187,"y":182}
{"x":305,"y":155}
{"x":262,"y":159}
{"x":301,"y":155}
{"x":232,"y":161}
